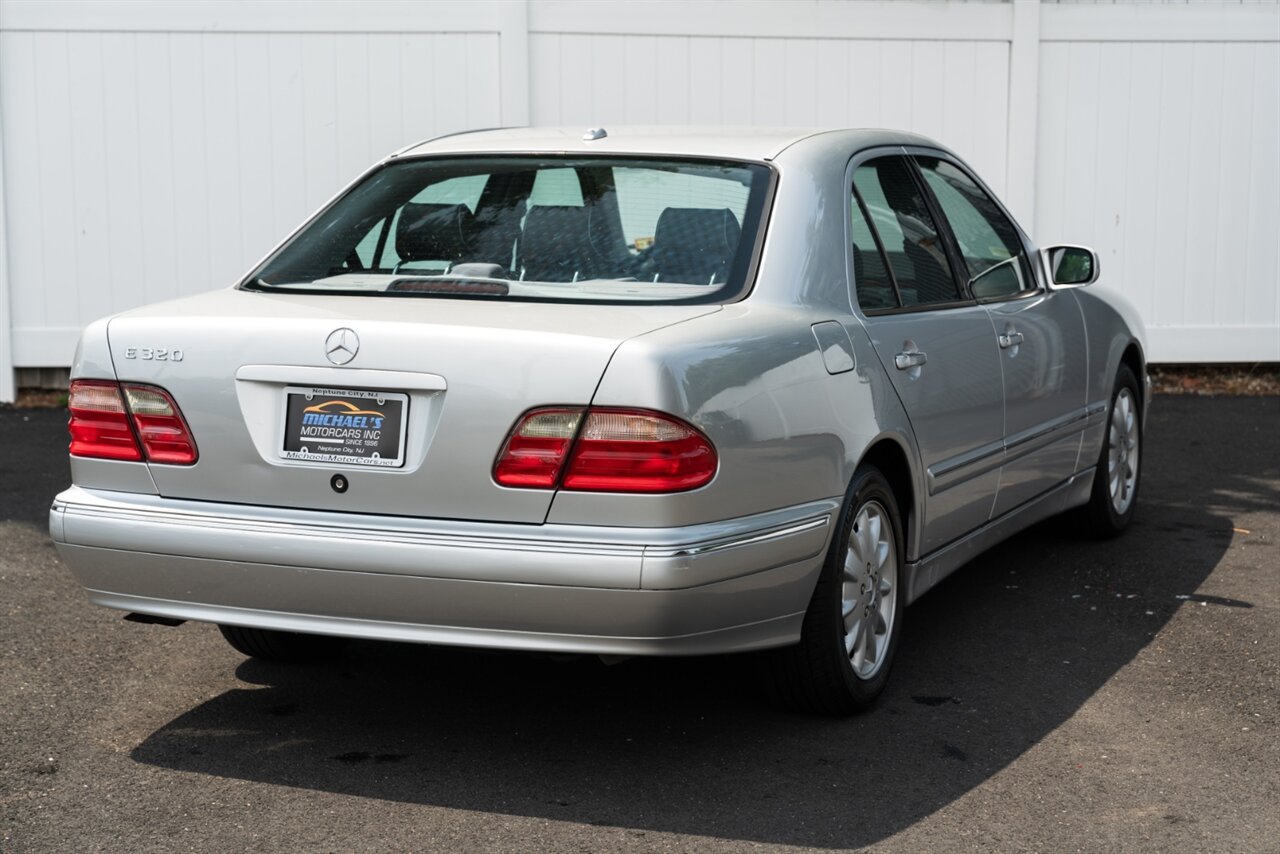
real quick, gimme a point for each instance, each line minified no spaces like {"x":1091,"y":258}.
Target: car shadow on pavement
{"x":996,"y":658}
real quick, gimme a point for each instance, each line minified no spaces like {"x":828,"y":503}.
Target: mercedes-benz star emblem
{"x":342,"y":345}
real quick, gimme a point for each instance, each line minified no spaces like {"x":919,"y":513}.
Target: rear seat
{"x":432,"y":232}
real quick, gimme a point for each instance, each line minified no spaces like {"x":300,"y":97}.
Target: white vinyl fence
{"x":154,"y":149}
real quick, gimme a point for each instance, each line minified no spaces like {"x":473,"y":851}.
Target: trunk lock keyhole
{"x":339,"y":484}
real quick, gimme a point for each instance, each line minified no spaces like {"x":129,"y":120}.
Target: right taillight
{"x":128,"y":421}
{"x":605,"y":449}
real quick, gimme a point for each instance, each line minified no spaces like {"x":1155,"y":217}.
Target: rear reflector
{"x":607,"y":450}
{"x":108,"y":422}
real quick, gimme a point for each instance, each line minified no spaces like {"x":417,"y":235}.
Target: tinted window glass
{"x":554,"y":228}
{"x":907,"y":231}
{"x":870,"y":278}
{"x":556,"y":187}
{"x":988,"y":241}
{"x":455,"y":191}
{"x":643,"y":194}
{"x":367,"y":249}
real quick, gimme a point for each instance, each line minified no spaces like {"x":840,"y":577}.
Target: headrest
{"x":431,"y":232}
{"x":550,"y":223}
{"x":556,"y":243}
{"x":695,"y":243}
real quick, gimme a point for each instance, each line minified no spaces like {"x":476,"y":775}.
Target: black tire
{"x":282,"y":647}
{"x":1100,"y":519}
{"x":817,"y":674}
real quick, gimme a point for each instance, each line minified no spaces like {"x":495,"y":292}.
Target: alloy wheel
{"x":869,"y":590}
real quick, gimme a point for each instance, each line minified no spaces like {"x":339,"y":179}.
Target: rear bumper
{"x":718,"y":587}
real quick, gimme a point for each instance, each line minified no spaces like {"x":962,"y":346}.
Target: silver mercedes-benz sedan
{"x":637,"y":392}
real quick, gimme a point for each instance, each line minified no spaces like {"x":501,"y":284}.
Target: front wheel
{"x":282,"y":647}
{"x":854,"y":619}
{"x":1118,"y":473}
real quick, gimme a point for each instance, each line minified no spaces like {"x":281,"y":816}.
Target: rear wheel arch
{"x":892,"y":458}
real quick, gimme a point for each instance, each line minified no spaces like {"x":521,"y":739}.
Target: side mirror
{"x":1071,"y":266}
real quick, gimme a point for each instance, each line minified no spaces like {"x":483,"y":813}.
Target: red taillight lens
{"x":633,"y":450}
{"x":537,"y":448}
{"x":108,"y":421}
{"x":99,"y":424}
{"x":616,"y":450}
{"x":161,"y":428}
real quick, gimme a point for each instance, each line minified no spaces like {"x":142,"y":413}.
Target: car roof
{"x":737,"y":143}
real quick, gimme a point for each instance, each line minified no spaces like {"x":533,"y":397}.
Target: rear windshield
{"x":597,"y":229}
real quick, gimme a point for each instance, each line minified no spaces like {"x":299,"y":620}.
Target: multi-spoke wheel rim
{"x":869,"y":591}
{"x":1122,"y":451}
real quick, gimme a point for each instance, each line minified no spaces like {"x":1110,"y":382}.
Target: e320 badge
{"x":158,"y":354}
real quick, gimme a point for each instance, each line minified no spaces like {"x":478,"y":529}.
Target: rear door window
{"x":872,"y":280}
{"x":907,"y":231}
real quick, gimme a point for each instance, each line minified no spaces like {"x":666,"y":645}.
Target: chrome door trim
{"x":1020,"y":444}
{"x":970,"y":464}
{"x":981,"y":460}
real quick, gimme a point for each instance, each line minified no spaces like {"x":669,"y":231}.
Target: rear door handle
{"x":908,"y":360}
{"x":1010,"y":339}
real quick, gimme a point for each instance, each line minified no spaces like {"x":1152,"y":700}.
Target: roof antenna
{"x":593,"y":134}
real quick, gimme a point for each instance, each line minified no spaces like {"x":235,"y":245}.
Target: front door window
{"x":988,"y":241}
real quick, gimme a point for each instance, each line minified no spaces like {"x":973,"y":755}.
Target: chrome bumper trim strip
{"x":690,"y":541}
{"x":723,"y":545}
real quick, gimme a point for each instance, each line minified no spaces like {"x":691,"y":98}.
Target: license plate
{"x":334,"y":425}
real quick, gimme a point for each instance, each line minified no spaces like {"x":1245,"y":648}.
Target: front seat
{"x":695,"y":245}
{"x":556,"y":244}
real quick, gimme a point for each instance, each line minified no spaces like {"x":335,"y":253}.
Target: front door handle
{"x":910,"y":359}
{"x":1010,"y":339}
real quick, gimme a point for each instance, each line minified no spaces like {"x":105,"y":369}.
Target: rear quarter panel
{"x":752,"y":378}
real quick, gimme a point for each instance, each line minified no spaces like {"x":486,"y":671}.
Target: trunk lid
{"x":467,"y":369}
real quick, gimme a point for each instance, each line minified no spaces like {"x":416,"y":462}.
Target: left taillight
{"x":99,"y":424}
{"x":128,"y":421}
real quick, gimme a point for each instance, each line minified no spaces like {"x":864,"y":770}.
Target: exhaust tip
{"x":153,"y":619}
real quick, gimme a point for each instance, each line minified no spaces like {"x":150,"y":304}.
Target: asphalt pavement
{"x":1055,"y":695}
